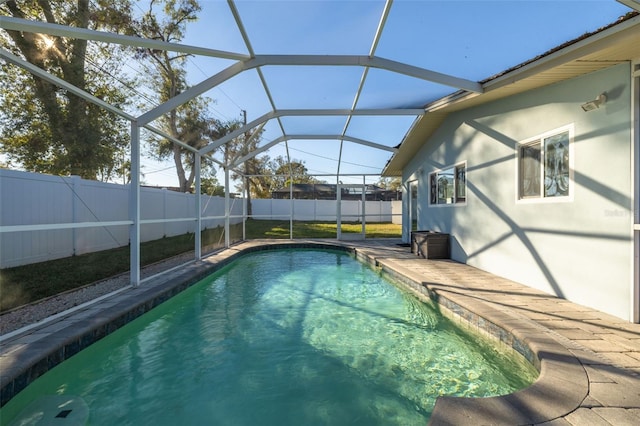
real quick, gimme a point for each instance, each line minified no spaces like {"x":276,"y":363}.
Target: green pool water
{"x":286,"y":337}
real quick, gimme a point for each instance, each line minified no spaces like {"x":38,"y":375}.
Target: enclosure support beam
{"x":279,"y":139}
{"x":307,"y":60}
{"x":291,"y":207}
{"x":227,"y":212}
{"x":338,"y":209}
{"x":244,"y":216}
{"x":308,"y":113}
{"x":18,"y":24}
{"x":364,"y":205}
{"x":198,"y":230}
{"x":134,"y":207}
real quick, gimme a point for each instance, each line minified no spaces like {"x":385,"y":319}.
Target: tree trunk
{"x":248,"y":189}
{"x":72,"y":131}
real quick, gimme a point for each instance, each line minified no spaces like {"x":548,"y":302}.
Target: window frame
{"x":457,"y":199}
{"x":539,"y":142}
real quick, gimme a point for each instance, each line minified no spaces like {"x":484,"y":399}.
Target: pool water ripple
{"x":278,"y":338}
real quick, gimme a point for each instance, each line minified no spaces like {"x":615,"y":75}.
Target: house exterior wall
{"x":578,"y":247}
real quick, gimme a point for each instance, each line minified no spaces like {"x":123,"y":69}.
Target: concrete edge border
{"x":561,"y":386}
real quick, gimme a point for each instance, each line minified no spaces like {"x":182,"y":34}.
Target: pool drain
{"x":63,"y":410}
{"x":63,"y":414}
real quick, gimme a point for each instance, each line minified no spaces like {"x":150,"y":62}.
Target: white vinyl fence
{"x":326,"y":210}
{"x":36,"y":199}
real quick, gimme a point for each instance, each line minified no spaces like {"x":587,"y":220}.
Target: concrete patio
{"x":589,"y":361}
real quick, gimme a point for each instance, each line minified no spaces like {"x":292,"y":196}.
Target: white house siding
{"x":579,"y":250}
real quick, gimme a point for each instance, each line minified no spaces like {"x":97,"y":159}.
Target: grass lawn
{"x":29,"y":283}
{"x":280,"y":229}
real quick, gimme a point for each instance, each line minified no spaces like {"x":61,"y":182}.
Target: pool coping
{"x":562,"y":384}
{"x":561,"y":387}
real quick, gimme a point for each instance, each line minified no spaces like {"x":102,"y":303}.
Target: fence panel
{"x":179,"y":205}
{"x":323,"y":210}
{"x":152,"y":207}
{"x":262,"y":207}
{"x":32,"y":199}
{"x":396,"y":211}
{"x":99,"y":202}
{"x":29,"y":199}
{"x":326,"y":210}
{"x":213,"y":206}
{"x":304,"y":209}
{"x":35,"y":199}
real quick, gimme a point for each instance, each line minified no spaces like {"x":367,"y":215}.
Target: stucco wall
{"x":580,"y":248}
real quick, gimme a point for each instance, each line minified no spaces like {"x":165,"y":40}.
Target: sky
{"x":468,"y":39}
{"x":472,"y":40}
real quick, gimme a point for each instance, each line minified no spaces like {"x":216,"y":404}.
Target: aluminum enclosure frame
{"x":244,"y":62}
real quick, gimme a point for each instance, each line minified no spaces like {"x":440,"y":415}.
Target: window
{"x":544,"y":166}
{"x":448,"y":186}
{"x":413,"y":201}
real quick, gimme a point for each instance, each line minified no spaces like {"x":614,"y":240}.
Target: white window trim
{"x":454,"y":204}
{"x":542,"y":199}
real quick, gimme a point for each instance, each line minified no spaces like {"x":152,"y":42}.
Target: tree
{"x":283,"y":173}
{"x":251,"y":168}
{"x":391,"y":184}
{"x":46,"y":128}
{"x":190,"y":123}
{"x":267,"y":175}
{"x":211,"y":186}
{"x":209,"y":183}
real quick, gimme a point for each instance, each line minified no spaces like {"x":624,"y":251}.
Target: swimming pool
{"x":281,"y":337}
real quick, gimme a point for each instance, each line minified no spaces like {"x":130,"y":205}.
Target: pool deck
{"x":589,"y":361}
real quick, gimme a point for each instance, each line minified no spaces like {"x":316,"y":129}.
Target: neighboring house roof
{"x":614,"y":44}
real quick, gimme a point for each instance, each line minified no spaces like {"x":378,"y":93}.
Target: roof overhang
{"x":609,"y":46}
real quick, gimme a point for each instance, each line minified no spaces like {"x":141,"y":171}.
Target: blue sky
{"x":468,"y":39}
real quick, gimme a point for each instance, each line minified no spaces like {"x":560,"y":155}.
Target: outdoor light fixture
{"x":596,"y":103}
